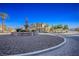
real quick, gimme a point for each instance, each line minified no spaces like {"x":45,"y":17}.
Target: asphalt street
{"x":70,"y":48}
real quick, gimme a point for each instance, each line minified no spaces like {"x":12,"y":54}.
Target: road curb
{"x":40,"y":51}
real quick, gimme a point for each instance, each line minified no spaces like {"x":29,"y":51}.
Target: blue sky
{"x":46,"y":13}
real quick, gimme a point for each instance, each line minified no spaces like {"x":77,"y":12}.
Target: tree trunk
{"x":2,"y":25}
{"x":26,"y":30}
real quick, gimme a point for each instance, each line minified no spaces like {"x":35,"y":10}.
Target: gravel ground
{"x":10,"y":45}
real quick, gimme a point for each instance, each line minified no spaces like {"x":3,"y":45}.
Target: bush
{"x":22,"y":31}
{"x":33,"y":30}
{"x":18,"y":30}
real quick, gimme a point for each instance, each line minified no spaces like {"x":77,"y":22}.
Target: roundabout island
{"x":28,"y":45}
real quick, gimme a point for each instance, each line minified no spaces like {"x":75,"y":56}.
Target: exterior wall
{"x":40,"y":27}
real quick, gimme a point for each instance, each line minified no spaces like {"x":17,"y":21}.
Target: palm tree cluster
{"x":25,"y":26}
{"x":60,"y":28}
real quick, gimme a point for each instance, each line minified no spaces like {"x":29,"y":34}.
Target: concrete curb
{"x":5,"y":33}
{"x":39,"y":51}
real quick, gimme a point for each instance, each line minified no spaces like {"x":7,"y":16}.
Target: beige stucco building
{"x":41,"y":27}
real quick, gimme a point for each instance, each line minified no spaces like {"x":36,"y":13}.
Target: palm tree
{"x":52,"y":28}
{"x":65,"y":28}
{"x":45,"y":27}
{"x":58,"y":28}
{"x":26,"y":25}
{"x":3,"y":16}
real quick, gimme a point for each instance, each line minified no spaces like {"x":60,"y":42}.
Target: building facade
{"x":40,"y":27}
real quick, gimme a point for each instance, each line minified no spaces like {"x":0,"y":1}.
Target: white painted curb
{"x":39,"y":51}
{"x":5,"y":33}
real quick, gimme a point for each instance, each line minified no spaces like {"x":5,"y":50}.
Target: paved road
{"x":70,"y":48}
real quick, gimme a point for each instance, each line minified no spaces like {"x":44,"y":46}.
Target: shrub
{"x":18,"y":30}
{"x":23,"y":31}
{"x":33,"y":30}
